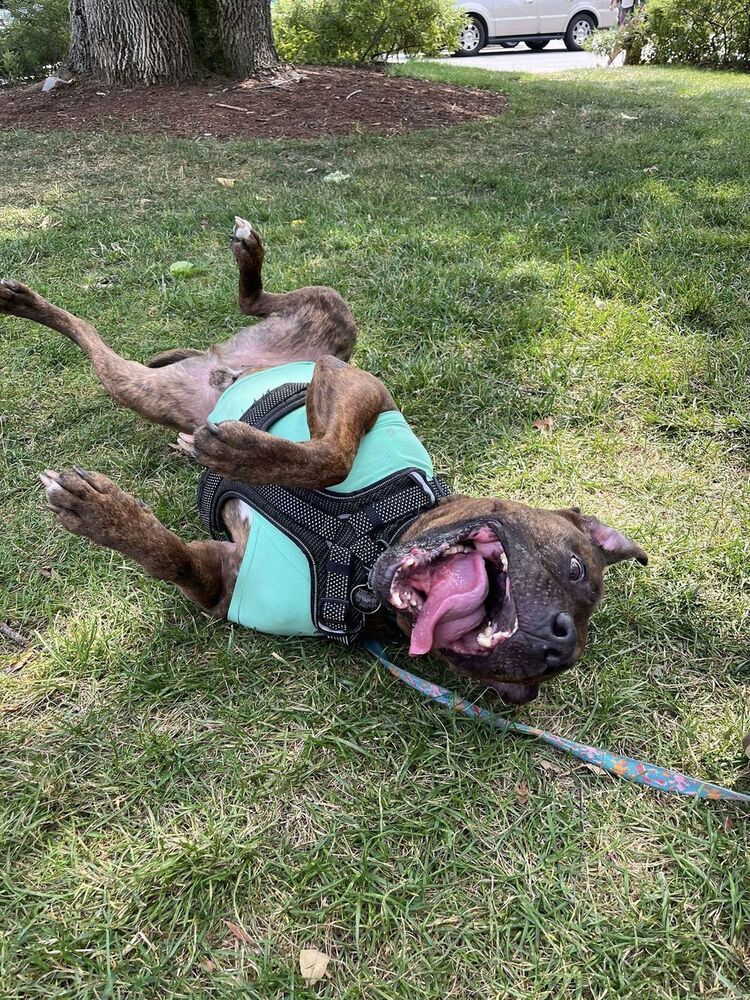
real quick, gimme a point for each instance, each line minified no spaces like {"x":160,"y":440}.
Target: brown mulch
{"x":324,"y":102}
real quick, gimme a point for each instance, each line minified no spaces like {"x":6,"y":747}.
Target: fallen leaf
{"x":298,"y":223}
{"x":522,"y":793}
{"x":549,"y":768}
{"x":599,"y":303}
{"x":238,"y":932}
{"x":544,"y":426}
{"x":207,"y":965}
{"x":20,"y":662}
{"x":629,"y":118}
{"x":336,"y":177}
{"x":651,"y":170}
{"x":313,"y":965}
{"x":227,"y":182}
{"x":46,"y":572}
{"x":728,"y":824}
{"x":183,"y":269}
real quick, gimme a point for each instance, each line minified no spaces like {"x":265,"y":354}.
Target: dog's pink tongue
{"x":454,"y":605}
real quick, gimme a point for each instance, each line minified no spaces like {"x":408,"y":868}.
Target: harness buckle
{"x":421,"y":481}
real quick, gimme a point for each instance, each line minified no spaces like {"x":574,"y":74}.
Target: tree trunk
{"x":245,"y":32}
{"x":155,"y":41}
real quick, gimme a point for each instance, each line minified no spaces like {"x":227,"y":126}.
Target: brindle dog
{"x":526,"y":581}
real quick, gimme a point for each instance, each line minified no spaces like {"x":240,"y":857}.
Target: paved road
{"x":522,"y":60}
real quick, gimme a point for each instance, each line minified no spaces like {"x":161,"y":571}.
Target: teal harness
{"x":306,"y":566}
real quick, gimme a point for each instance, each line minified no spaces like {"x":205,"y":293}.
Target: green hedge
{"x":712,"y":33}
{"x":358,"y":31}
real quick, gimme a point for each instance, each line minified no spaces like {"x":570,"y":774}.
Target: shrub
{"x":358,"y":31}
{"x":712,"y":33}
{"x":36,"y":38}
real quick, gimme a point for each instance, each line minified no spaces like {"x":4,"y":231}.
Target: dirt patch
{"x":324,"y":102}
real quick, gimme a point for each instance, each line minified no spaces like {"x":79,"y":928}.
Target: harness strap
{"x":664,"y":779}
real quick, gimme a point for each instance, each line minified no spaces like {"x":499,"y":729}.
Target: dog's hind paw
{"x":89,"y":504}
{"x":20,"y":300}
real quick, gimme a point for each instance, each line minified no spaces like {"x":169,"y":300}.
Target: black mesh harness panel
{"x":341,"y":534}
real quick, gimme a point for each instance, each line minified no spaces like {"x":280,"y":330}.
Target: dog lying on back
{"x":326,"y":514}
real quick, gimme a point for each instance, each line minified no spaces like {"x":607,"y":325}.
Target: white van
{"x":534,"y":22}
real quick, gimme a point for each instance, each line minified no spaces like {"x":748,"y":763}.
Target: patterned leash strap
{"x":662,"y":778}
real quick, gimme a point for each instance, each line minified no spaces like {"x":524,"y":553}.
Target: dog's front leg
{"x":342,"y":405}
{"x":90,"y":504}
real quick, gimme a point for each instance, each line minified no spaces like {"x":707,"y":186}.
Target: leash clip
{"x":365,"y":600}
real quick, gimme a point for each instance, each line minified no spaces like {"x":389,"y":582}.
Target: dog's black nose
{"x":560,"y":641}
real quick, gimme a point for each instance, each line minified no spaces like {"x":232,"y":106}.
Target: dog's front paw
{"x":89,"y":504}
{"x":224,"y":448}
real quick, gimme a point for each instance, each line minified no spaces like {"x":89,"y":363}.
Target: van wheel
{"x":537,"y":44}
{"x":472,"y":38}
{"x":579,"y":31}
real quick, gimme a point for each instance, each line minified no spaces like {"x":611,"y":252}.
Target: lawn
{"x":585,"y":258}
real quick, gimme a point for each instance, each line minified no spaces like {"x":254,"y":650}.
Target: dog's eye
{"x":577,"y":569}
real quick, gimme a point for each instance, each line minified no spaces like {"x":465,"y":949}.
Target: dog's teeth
{"x":453,"y":549}
{"x":504,"y":561}
{"x":408,"y":563}
{"x":485,"y":636}
{"x":396,"y":598}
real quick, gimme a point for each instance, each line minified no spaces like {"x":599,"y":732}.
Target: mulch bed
{"x":324,"y":102}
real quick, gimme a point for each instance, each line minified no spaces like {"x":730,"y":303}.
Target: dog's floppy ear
{"x":613,"y":545}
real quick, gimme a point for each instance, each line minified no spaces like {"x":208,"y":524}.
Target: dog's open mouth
{"x":457,"y":594}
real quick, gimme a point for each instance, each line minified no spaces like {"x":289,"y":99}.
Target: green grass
{"x":163,"y":774}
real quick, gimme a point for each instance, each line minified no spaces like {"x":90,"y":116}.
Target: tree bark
{"x":245,"y":31}
{"x":156,"y":41}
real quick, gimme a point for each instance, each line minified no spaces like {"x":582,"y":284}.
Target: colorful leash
{"x":662,"y":778}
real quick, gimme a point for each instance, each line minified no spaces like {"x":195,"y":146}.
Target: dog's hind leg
{"x":178,"y":393}
{"x":91,"y":505}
